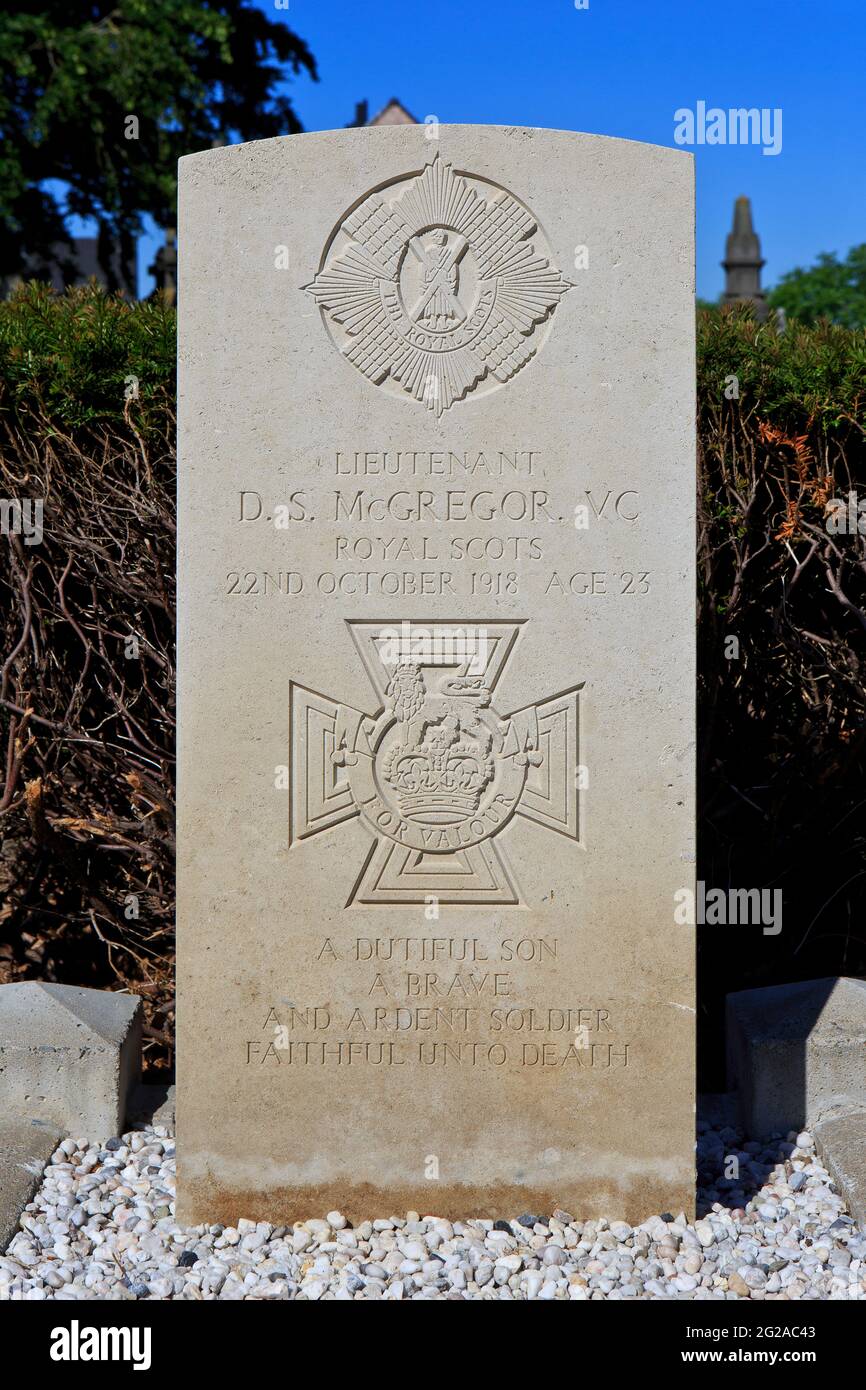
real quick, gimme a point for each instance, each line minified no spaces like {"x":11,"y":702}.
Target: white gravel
{"x":102,"y":1226}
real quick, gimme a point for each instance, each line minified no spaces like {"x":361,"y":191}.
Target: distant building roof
{"x":77,"y":262}
{"x":394,"y":113}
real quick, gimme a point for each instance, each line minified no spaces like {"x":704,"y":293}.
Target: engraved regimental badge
{"x":436,"y":773}
{"x":438,"y":285}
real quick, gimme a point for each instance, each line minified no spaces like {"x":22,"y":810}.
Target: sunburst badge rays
{"x":438,"y":287}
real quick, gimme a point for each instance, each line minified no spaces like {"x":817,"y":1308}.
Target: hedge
{"x":87,"y":686}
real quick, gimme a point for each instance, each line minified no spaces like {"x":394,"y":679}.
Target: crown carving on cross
{"x":443,"y":775}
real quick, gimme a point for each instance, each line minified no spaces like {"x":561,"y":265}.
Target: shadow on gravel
{"x":730,"y":1168}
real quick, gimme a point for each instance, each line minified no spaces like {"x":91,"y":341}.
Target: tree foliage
{"x":102,"y":98}
{"x":830,"y":289}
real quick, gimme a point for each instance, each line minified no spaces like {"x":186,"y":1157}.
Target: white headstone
{"x":437,"y":491}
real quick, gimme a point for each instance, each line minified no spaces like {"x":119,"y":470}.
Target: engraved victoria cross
{"x":438,"y":283}
{"x":435,"y":774}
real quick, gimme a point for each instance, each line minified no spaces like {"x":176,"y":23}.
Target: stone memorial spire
{"x":743,"y":262}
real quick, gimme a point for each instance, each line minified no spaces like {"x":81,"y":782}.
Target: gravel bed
{"x":102,"y":1226}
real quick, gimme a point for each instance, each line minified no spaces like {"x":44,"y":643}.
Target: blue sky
{"x":623,"y":67}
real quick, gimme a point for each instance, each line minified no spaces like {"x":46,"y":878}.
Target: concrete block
{"x":69,"y":1056}
{"x":25,"y":1147}
{"x":841,"y":1145}
{"x":797,"y":1053}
